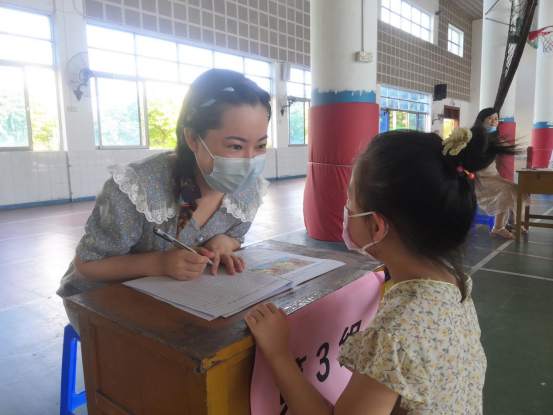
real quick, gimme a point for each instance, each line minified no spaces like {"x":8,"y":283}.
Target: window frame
{"x":141,"y":81}
{"x":23,"y":65}
{"x":303,"y":99}
{"x":408,"y":111}
{"x":421,"y":27}
{"x":460,"y":45}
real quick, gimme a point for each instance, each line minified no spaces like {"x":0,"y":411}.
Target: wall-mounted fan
{"x":78,"y":74}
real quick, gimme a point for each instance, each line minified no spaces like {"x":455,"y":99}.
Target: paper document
{"x":267,"y":273}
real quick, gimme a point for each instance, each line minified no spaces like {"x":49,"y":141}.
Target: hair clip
{"x":191,"y":115}
{"x":228,"y":88}
{"x":208,"y":102}
{"x":461,"y":170}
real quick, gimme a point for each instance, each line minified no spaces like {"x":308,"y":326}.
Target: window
{"x":140,"y":83}
{"x":29,"y":116}
{"x":298,"y":90}
{"x":406,"y":17}
{"x":402,"y":110}
{"x":455,"y":40}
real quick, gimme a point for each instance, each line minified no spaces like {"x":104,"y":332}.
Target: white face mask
{"x":352,"y":246}
{"x":232,"y":175}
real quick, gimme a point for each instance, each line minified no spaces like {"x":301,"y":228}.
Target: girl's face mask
{"x":352,"y":246}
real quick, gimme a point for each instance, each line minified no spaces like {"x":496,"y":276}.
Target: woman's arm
{"x":176,"y":263}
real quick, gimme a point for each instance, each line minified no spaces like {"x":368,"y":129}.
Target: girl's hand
{"x":223,"y":247}
{"x":271,"y":328}
{"x":184,"y":265}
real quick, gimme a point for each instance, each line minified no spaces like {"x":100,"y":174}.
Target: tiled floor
{"x":513,"y":295}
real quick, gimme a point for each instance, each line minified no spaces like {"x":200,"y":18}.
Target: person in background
{"x":495,"y":195}
{"x":206,"y":193}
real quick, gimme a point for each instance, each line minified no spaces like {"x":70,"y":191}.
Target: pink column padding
{"x":337,"y":134}
{"x":542,"y":141}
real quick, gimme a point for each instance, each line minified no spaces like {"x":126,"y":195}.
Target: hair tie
{"x":461,"y":170}
{"x":189,"y":192}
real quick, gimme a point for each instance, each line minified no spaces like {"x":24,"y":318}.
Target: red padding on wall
{"x":337,"y":134}
{"x":542,"y":141}
{"x":506,"y":164}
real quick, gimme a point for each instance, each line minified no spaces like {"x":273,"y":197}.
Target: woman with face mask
{"x":205,"y":194}
{"x":496,"y":196}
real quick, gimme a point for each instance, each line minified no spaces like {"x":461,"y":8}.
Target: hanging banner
{"x":317,"y":333}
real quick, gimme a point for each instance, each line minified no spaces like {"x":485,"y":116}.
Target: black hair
{"x":485,"y":113}
{"x":226,"y":88}
{"x":404,"y":176}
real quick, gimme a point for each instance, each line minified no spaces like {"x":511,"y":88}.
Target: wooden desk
{"x":143,"y":356}
{"x":532,"y":182}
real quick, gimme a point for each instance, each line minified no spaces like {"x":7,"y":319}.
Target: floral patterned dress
{"x":424,"y":343}
{"x":140,"y":196}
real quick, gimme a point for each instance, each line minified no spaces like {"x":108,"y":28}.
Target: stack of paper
{"x":267,"y":273}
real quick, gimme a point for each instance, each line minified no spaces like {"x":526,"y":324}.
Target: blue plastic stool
{"x":69,"y":399}
{"x":483,"y":220}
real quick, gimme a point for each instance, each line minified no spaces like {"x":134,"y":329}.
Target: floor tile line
{"x":546,"y":213}
{"x":20,"y":305}
{"x":513,"y":253}
{"x":46,"y":217}
{"x":539,"y":243}
{"x":271,"y":237}
{"x":35,"y":258}
{"x":42,"y":233}
{"x":490,"y":257}
{"x":517,"y":273}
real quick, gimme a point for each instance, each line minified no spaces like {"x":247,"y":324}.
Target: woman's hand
{"x":271,"y":328}
{"x":184,"y":265}
{"x":223,"y":248}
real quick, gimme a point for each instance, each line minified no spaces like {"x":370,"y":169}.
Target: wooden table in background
{"x":143,"y":356}
{"x":537,"y":182}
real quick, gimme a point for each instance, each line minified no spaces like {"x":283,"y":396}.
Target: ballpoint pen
{"x":169,"y":238}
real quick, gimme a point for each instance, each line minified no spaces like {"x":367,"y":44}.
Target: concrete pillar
{"x":542,"y":133}
{"x":494,"y":42}
{"x":344,"y":114}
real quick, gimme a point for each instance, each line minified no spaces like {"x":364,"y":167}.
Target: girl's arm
{"x":362,"y":396}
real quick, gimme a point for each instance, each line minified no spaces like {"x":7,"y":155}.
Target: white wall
{"x":464,"y":113}
{"x":79,"y":171}
{"x":525,"y":93}
{"x":475,"y":69}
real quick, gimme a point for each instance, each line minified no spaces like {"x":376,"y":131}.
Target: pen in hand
{"x":169,"y":238}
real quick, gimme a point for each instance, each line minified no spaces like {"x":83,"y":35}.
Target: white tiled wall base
{"x":87,"y":168}
{"x":270,"y":171}
{"x":292,"y":161}
{"x":30,"y":177}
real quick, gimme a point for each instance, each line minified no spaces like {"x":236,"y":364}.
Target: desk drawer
{"x":537,"y":183}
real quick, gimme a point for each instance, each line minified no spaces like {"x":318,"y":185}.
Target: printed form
{"x":267,"y":273}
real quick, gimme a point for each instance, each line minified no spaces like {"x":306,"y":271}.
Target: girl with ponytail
{"x":206,"y":193}
{"x":411,"y":205}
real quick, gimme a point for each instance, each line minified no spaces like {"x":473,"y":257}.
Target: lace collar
{"x":149,"y":185}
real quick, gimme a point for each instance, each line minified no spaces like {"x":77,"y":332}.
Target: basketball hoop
{"x":543,"y":36}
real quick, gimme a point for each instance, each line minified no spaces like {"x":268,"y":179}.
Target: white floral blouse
{"x":424,"y":343}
